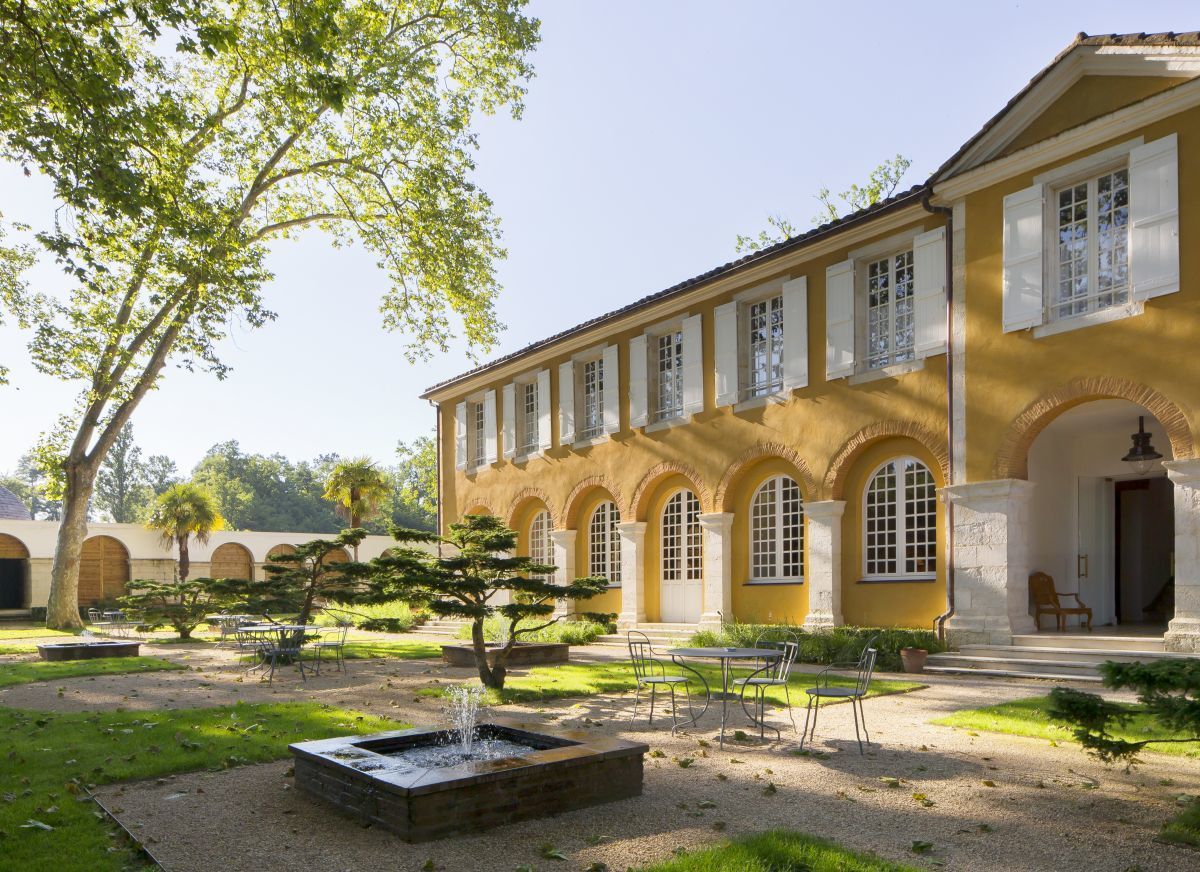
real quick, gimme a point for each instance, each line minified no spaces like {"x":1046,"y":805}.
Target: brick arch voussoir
{"x":575,"y":499}
{"x":525,"y":495}
{"x":1012,"y":458}
{"x":637,"y":506}
{"x":839,"y":468}
{"x":477,"y":507}
{"x":749,"y":459}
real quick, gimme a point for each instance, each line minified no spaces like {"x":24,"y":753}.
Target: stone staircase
{"x":440,"y":627}
{"x":660,"y":635}
{"x":1054,"y":656}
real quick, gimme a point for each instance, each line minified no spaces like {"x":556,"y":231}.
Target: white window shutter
{"x":639,"y":406}
{"x":795,"y":333}
{"x":839,"y":320}
{"x":543,"y":409}
{"x":929,"y":278}
{"x":693,"y":365}
{"x":508,"y":418}
{"x":566,"y":403}
{"x":1023,"y":246}
{"x":612,"y":390}
{"x":725,"y":324}
{"x":1154,"y":218}
{"x":489,"y":426}
{"x":460,"y":436}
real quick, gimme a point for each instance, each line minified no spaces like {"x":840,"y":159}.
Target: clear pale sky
{"x":653,"y":134}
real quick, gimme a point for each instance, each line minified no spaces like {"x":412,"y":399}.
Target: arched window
{"x":604,"y":543}
{"x":682,"y":551}
{"x":900,"y":521}
{"x":777,"y":531}
{"x":541,"y":546}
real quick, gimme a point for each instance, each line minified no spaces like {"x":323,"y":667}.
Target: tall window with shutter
{"x":479,"y":434}
{"x":890,"y":315}
{"x":1092,"y":232}
{"x":591,"y":391}
{"x":764,"y":347}
{"x":667,"y":384}
{"x":529,"y":437}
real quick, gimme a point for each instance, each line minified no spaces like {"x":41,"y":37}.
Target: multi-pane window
{"x":1093,"y":246}
{"x":668,"y":375}
{"x":541,"y":546}
{"x":890,"y":331}
{"x":479,"y":443}
{"x":900,"y":520}
{"x":764,"y":347}
{"x":530,"y":442}
{"x":592,"y":422}
{"x":604,"y":543}
{"x":777,"y":531}
{"x":682,"y":548}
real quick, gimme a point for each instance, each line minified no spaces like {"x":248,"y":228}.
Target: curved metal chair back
{"x":641,"y":652}
{"x":866,"y":667}
{"x":779,"y":668}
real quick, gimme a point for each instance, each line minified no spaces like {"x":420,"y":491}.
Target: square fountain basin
{"x":567,"y":770}
{"x":55,"y":651}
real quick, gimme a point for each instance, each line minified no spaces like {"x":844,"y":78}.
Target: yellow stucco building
{"x":895,"y":418}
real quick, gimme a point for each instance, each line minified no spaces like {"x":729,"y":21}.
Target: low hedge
{"x":581,"y":632}
{"x":836,"y":645}
{"x":393,"y":617}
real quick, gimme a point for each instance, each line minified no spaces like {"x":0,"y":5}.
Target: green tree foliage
{"x":161,"y":473}
{"x":181,"y":512}
{"x":476,"y":572}
{"x":1168,"y":690}
{"x":880,"y":184}
{"x":416,"y":478}
{"x":357,"y":488}
{"x":182,"y":138}
{"x":14,"y":261}
{"x":181,"y":604}
{"x":122,"y":485}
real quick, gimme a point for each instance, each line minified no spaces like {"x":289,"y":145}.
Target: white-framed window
{"x":889,"y":309}
{"x":682,"y":545}
{"x":900,"y":521}
{"x":604,"y":543}
{"x":591,"y":392}
{"x":667,"y":381}
{"x":541,"y":546}
{"x":777,"y":531}
{"x":1090,"y":269}
{"x":478,"y":418}
{"x":763,"y":347}
{"x":529,"y":440}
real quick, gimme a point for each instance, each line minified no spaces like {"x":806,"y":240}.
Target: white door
{"x":682,"y":578}
{"x":1093,"y":569}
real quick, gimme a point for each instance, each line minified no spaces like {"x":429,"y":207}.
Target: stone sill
{"x":899,"y":579}
{"x":894,"y":371}
{"x":789,"y":582}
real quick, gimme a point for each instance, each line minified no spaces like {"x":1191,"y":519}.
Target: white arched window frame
{"x":604,"y":543}
{"x":682,"y":546}
{"x":541,"y":546}
{"x":900,"y":521}
{"x":777,"y":531}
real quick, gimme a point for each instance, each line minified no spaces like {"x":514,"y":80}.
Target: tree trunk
{"x":488,"y":676}
{"x":185,"y":561}
{"x":62,"y":607}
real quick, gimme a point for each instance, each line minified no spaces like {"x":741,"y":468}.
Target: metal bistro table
{"x":727,"y":656}
{"x":277,"y":638}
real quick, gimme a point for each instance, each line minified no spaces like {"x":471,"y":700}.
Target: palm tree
{"x":357,"y":487}
{"x":182,"y":511}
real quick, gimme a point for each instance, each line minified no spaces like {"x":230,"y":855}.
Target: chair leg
{"x":674,"y":718}
{"x":856,"y":733}
{"x":637,"y":693}
{"x":863,"y":714}
{"x":691,"y":712}
{"x":653,"y":687}
{"x":788,"y":697}
{"x":807,"y":713}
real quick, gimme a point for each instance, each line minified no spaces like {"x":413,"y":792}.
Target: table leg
{"x":724,"y":697}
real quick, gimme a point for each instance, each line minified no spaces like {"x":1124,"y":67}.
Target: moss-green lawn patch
{"x":370,"y":650}
{"x":1184,"y":828}
{"x":587,"y":679}
{"x":30,"y":633}
{"x":777,"y":851}
{"x":1028,"y":717}
{"x":52,"y":757}
{"x":26,"y":673}
{"x":19,"y":648}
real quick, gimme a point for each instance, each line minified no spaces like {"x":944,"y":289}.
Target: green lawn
{"x":25,"y":673}
{"x":30,"y":633}
{"x":587,"y":679}
{"x":52,"y":757}
{"x":369,"y":650}
{"x":1027,"y":717}
{"x":776,"y":851}
{"x":1184,"y":828}
{"x":19,"y":648}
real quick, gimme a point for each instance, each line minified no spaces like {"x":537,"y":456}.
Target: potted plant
{"x":913,"y":659}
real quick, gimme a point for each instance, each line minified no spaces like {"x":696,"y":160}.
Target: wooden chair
{"x":1045,"y":601}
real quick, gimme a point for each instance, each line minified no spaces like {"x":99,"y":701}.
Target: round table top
{"x":728,"y":653}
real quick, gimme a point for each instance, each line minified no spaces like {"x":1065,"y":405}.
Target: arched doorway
{"x":14,"y":572}
{"x":231,"y":560}
{"x":103,"y":569}
{"x":1098,"y":526}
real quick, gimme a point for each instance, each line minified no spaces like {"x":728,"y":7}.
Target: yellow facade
{"x":832,"y":434}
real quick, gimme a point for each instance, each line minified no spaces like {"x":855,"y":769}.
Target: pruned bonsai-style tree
{"x":1168,"y":690}
{"x":182,"y":604}
{"x":468,"y":581}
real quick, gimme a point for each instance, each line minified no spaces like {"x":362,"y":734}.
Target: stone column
{"x":824,"y":534}
{"x":716,"y":529}
{"x":37,"y":590}
{"x":633,"y":590}
{"x":991,"y":561}
{"x":564,"y":559}
{"x":1183,"y":632}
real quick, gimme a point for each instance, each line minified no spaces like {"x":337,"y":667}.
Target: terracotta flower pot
{"x":913,"y":659}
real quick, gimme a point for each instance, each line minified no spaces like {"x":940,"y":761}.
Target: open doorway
{"x":1143,"y":548}
{"x":12,"y":583}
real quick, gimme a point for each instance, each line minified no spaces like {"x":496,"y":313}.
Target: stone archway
{"x":14,"y":573}
{"x":746,"y":463}
{"x":839,"y":468}
{"x":231,"y":560}
{"x":103,"y":569}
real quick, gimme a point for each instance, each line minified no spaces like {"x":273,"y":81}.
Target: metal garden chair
{"x":287,"y":646}
{"x":864,"y":669}
{"x":333,"y":640}
{"x":652,"y":672}
{"x":773,"y":672}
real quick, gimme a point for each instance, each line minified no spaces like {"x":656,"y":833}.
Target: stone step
{"x":1008,"y":673}
{"x":1025,"y":665}
{"x":1096,"y":641}
{"x":1065,"y":655}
